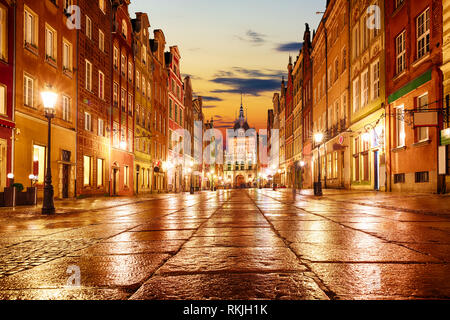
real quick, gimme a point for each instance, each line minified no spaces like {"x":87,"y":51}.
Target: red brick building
{"x":307,"y":109}
{"x":7,"y":37}
{"x":122,"y":118}
{"x":94,"y":98}
{"x":289,"y":114}
{"x":176,"y":119}
{"x":414,"y":83}
{"x":159,"y":112}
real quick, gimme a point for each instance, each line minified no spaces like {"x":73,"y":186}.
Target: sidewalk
{"x":69,"y":206}
{"x":432,"y":204}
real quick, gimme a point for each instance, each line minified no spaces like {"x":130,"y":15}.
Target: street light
{"x":49,"y":98}
{"x":32,"y":178}
{"x":318,"y":138}
{"x":192,"y":180}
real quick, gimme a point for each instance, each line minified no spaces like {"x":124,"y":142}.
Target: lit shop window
{"x":87,"y":173}
{"x":126,"y":176}
{"x":100,"y":172}
{"x":39,"y":163}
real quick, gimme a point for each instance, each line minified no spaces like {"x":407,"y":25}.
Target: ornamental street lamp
{"x":49,"y":98}
{"x":318,"y":138}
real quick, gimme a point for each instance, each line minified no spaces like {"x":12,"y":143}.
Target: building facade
{"x":297,"y":76}
{"x":45,"y":58}
{"x":159,"y":113}
{"x":198,"y":172}
{"x":367,"y":114}
{"x":122,"y":115}
{"x":176,"y":120}
{"x":241,"y":156}
{"x":414,"y":84}
{"x":188,"y":126}
{"x":7,"y":60}
{"x":307,"y":112}
{"x":93,"y":102}
{"x":445,"y":135}
{"x":143,"y":138}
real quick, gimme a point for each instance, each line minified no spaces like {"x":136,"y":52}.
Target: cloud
{"x":211,"y":98}
{"x":193,"y":77}
{"x":289,"y":47}
{"x":248,"y":81}
{"x":209,"y":107}
{"x":253,"y":37}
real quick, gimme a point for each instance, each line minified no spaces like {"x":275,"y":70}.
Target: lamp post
{"x":49,"y":98}
{"x":10,"y":176}
{"x":192,"y":181}
{"x":318,"y":137}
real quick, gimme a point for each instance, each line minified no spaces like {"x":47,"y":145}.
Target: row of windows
{"x":88,"y":172}
{"x":175,"y":112}
{"x":29,"y":92}
{"x":422,"y":42}
{"x":366,"y":87}
{"x":31,"y":38}
{"x":420,"y":177}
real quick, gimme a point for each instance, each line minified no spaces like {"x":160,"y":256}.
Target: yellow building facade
{"x":143,"y":162}
{"x":367,"y":93}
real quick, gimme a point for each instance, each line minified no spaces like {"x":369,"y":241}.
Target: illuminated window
{"x":88,"y":27}
{"x":66,"y":108}
{"x":400,"y":126}
{"x":422,"y":134}
{"x":365,"y":88}
{"x":67,"y":55}
{"x":30,"y":27}
{"x":2,"y":99}
{"x":3,"y":33}
{"x":400,"y":49}
{"x":116,"y":94}
{"x":126,"y":176}
{"x":101,"y":40}
{"x":101,"y":85}
{"x":88,"y":76}
{"x":376,"y":80}
{"x":124,"y":29}
{"x":100,"y":172}
{"x":87,"y":173}
{"x":50,"y":43}
{"x":116,"y":57}
{"x":28,"y":91}
{"x":101,"y":5}
{"x":39,"y":163}
{"x":423,"y":33}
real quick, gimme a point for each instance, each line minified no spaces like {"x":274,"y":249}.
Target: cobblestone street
{"x":246,"y":244}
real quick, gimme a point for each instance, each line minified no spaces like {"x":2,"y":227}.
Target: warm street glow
{"x":318,"y":137}
{"x":49,"y":98}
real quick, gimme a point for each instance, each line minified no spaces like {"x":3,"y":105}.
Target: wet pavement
{"x":246,"y":244}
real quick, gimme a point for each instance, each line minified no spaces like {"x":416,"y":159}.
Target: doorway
{"x":65,"y":181}
{"x":376,"y":170}
{"x":115,"y":181}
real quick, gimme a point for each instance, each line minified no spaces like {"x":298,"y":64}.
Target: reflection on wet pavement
{"x":251,"y":244}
